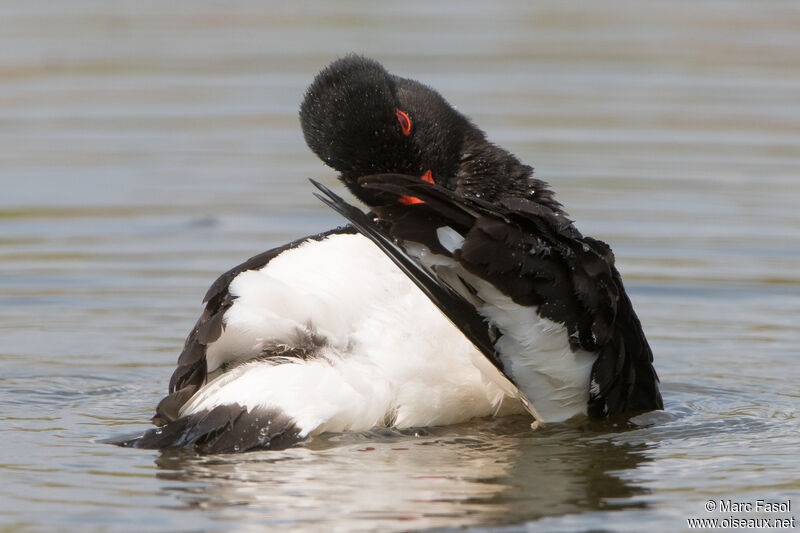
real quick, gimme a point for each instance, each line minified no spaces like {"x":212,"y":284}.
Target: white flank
{"x":534,"y":351}
{"x":536,"y":354}
{"x":390,"y":356}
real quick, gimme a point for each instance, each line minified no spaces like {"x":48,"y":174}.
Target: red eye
{"x":405,"y":122}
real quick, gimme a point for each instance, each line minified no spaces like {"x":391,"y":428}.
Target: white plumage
{"x":386,"y":354}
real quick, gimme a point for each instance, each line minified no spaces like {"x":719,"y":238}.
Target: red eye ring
{"x":405,"y":122}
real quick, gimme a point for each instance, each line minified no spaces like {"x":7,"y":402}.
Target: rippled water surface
{"x":146,"y":147}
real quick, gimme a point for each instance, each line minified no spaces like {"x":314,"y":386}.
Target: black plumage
{"x":349,"y":119}
{"x":223,"y":429}
{"x":361,"y":120}
{"x":531,"y":252}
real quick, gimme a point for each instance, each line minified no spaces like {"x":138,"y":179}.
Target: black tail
{"x":224,"y":429}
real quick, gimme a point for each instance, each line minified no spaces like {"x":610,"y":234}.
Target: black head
{"x":361,"y":120}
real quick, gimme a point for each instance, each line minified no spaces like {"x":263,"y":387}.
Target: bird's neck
{"x":491,"y":173}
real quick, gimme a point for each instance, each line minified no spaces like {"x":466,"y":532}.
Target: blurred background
{"x":146,"y":147}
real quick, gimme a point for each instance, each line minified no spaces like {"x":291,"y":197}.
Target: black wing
{"x":534,"y":254}
{"x":460,"y":312}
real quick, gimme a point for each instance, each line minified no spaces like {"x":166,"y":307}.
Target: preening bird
{"x":518,"y":310}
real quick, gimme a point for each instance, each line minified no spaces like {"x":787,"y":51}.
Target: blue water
{"x":146,"y":148}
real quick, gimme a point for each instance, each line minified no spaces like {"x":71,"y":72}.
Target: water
{"x":147,"y":147}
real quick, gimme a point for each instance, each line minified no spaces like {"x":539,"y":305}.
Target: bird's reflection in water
{"x":483,"y":473}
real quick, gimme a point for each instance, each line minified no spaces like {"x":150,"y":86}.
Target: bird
{"x":326,"y":333}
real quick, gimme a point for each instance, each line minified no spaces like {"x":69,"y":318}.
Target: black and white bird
{"x":327,"y":334}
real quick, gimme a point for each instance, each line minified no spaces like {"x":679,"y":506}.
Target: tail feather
{"x":223,"y":429}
